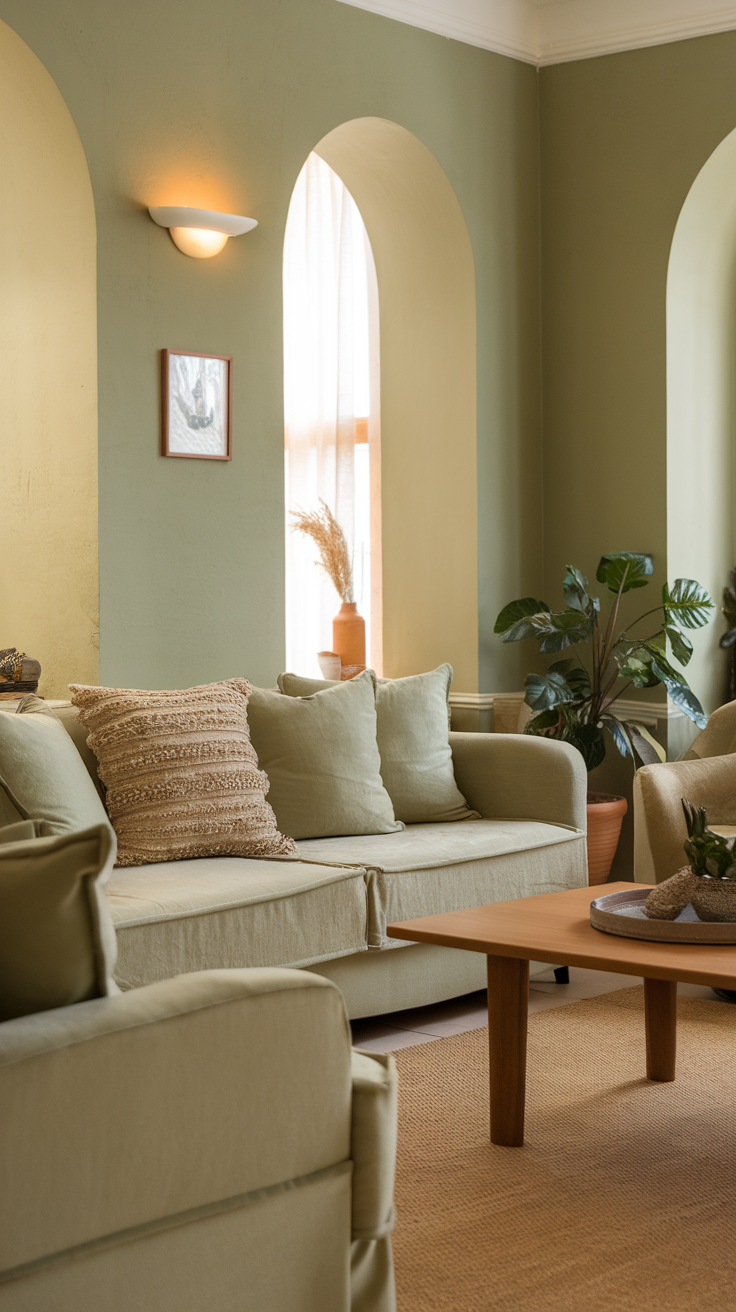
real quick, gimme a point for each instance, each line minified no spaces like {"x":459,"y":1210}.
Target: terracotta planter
{"x":605,"y":817}
{"x":348,"y":634}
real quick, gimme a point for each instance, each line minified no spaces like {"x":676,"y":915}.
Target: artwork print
{"x":196,"y":405}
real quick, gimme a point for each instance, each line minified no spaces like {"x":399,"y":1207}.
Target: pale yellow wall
{"x":701,"y":351}
{"x":48,"y":350}
{"x":426,"y":289}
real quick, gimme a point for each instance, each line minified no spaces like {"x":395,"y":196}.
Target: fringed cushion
{"x":181,"y":775}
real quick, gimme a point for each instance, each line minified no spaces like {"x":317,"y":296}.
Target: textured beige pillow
{"x":181,"y":775}
{"x":412,"y":733}
{"x":57,"y":939}
{"x":321,"y":756}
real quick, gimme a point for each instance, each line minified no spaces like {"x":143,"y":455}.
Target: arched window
{"x":331,"y":404}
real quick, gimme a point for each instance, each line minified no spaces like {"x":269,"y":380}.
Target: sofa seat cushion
{"x":431,"y":868}
{"x":214,"y":912}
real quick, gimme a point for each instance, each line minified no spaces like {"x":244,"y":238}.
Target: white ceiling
{"x":555,"y":31}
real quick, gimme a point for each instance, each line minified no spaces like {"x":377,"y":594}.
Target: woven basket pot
{"x":605,"y":817}
{"x":715,"y":899}
{"x":668,"y":899}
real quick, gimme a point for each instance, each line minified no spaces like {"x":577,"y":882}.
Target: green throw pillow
{"x":321,"y":758}
{"x":42,"y":774}
{"x":412,"y":734}
{"x":57,"y":939}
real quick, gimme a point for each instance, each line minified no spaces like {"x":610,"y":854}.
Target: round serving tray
{"x":623,"y":914}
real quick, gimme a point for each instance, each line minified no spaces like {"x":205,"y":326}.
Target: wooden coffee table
{"x":556,"y":928}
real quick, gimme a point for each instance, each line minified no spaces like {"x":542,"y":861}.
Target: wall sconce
{"x":200,"y":233}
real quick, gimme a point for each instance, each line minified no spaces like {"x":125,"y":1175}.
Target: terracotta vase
{"x":605,"y":817}
{"x":348,"y":634}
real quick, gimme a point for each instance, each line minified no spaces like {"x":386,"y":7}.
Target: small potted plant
{"x":575,"y":701}
{"x":709,"y":882}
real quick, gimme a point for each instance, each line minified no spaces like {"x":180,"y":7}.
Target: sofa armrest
{"x":126,"y":1110}
{"x":375,"y":1085}
{"x":515,"y":776}
{"x":659,"y":822}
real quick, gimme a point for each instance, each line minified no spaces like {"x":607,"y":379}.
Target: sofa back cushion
{"x":321,"y":755}
{"x":42,"y":773}
{"x":57,"y":941}
{"x":413,"y":742}
{"x":181,"y":776}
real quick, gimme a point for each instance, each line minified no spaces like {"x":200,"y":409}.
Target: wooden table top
{"x":556,"y":927}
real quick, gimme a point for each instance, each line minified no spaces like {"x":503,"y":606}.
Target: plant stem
{"x":639,"y":620}
{"x":620,"y":693}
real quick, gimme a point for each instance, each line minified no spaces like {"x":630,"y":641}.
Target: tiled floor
{"x":401,"y":1029}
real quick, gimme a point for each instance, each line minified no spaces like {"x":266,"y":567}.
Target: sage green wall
{"x":623,"y":138}
{"x":222,"y":103}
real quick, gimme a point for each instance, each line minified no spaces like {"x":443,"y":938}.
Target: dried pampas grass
{"x":334,"y":557}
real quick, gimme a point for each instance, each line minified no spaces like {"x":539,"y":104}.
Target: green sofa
{"x":204,"y":1143}
{"x":327,"y":910}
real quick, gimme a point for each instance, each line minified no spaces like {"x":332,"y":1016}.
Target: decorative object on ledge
{"x":351,"y":672}
{"x":196,"y":405}
{"x":348,"y":627}
{"x":200,"y":233}
{"x":19,"y":674}
{"x":575,"y":700}
{"x":330,"y":665}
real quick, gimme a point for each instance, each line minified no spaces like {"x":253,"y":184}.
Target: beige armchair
{"x":706,"y":775}
{"x":209,"y":1143}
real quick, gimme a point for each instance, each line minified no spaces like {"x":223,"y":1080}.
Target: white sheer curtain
{"x":330,"y":402}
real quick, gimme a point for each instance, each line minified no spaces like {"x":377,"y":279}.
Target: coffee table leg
{"x":508,"y":1006}
{"x":660,"y":1009}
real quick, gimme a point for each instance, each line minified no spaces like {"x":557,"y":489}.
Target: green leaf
{"x":579,"y":681}
{"x":617,"y":732}
{"x":681,"y":695}
{"x":522,"y":629}
{"x":544,"y":691}
{"x":545,"y":720}
{"x":591,"y":744}
{"x":561,"y":667}
{"x":518,"y":610}
{"x":662,"y":668}
{"x":682,"y":648}
{"x":575,"y":590}
{"x":686,"y":603}
{"x":555,"y":632}
{"x":625,"y":570}
{"x":646,"y":748}
{"x":635,"y":664}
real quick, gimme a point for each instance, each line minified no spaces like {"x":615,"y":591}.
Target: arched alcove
{"x":48,"y":347}
{"x":426,"y":290}
{"x":701,"y":427}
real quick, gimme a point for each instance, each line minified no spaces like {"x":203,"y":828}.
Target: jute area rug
{"x":624,"y":1195}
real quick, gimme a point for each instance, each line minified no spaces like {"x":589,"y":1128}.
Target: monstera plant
{"x":575,"y":701}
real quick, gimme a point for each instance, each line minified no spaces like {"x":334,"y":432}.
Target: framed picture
{"x":196,"y":405}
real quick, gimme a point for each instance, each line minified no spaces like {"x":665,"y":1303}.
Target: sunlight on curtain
{"x":331,"y":407}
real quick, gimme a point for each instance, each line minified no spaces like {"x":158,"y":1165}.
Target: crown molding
{"x":509,"y":27}
{"x":544,"y":32}
{"x":582,"y":29}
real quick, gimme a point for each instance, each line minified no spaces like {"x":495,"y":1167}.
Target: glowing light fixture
{"x":200,"y":233}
